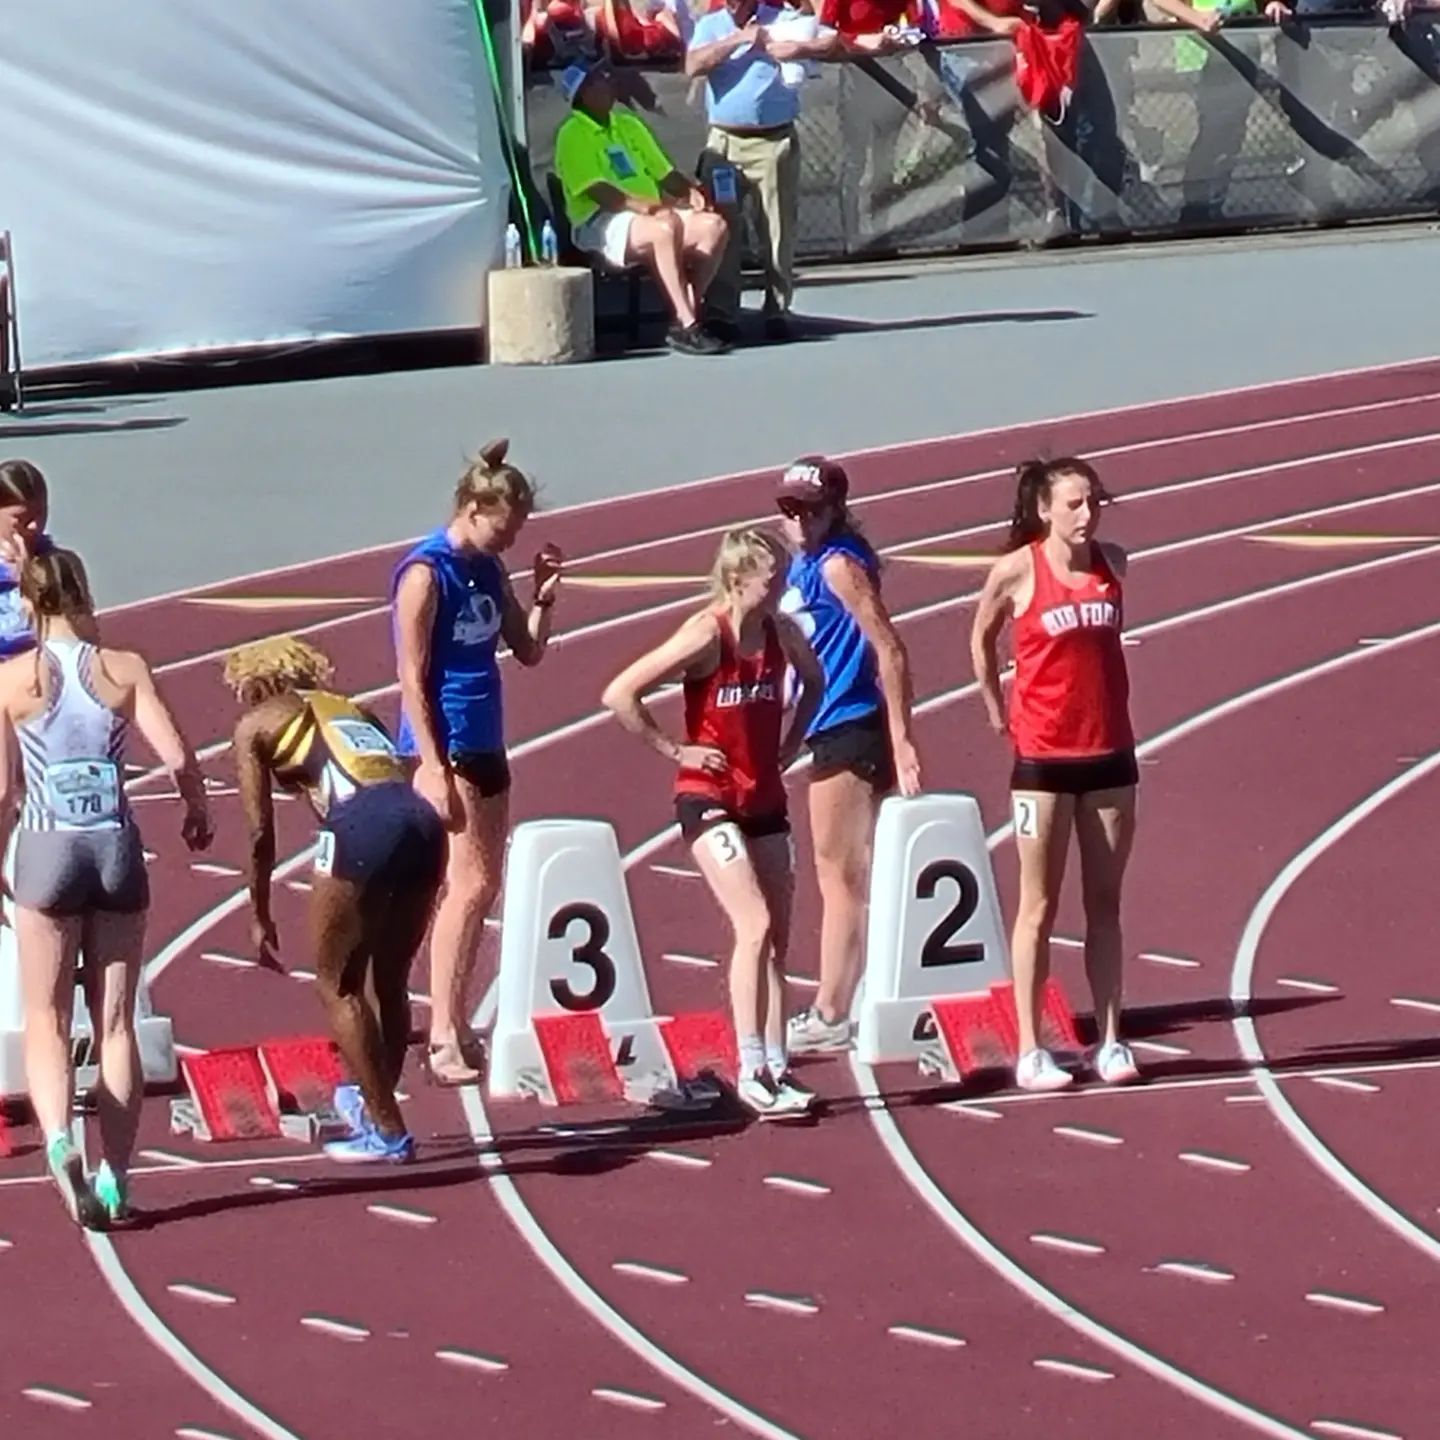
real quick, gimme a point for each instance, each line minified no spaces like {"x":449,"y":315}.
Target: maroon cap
{"x":813,"y":480}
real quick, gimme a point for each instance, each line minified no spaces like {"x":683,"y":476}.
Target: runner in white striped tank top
{"x":79,"y":868}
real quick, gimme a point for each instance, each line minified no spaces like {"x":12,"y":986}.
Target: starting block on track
{"x":935,"y":930}
{"x":569,"y":949}
{"x":282,"y":1088}
{"x":974,"y":1033}
{"x":701,"y":1044}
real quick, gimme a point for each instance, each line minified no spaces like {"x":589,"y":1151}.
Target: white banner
{"x":190,"y":174}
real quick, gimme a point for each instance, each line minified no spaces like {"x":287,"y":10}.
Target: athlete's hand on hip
{"x":704,"y":758}
{"x":907,"y":768}
{"x":266,"y":942}
{"x":435,"y":784}
{"x":549,"y":563}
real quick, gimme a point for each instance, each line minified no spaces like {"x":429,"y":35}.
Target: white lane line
{"x":300,"y":887}
{"x":1208,"y":1161}
{"x":340,"y":1329}
{"x":661,"y":1274}
{"x":1195,"y":1270}
{"x":803,"y":982}
{"x":1351,"y":1303}
{"x":403,"y":1214}
{"x":1176,"y":962}
{"x":699,"y":962}
{"x":1089,"y":1135}
{"x":171,"y":1161}
{"x":1349,"y":1430}
{"x":473,"y":1360}
{"x":1344,"y":1082}
{"x":198,"y":1432}
{"x":1067,"y":940}
{"x":679,"y":1158}
{"x":1068,"y":1243}
{"x":926,"y":1335}
{"x":1073,"y":1368}
{"x":64,"y":1399}
{"x":205,"y":1294}
{"x":210,"y":867}
{"x":795,"y":1185}
{"x":6,"y":1244}
{"x":676,"y":872}
{"x":1412,"y":1002}
{"x":1158,"y":1047}
{"x":633,"y":1399}
{"x":1313,"y":987}
{"x":789,"y":1304}
{"x":235,"y":962}
{"x":1242,"y":975}
{"x":1245,"y":1099}
{"x":970,"y":1109}
{"x":269,"y":1182}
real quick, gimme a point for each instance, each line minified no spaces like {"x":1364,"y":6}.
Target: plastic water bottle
{"x":549,"y":245}
{"x":513,"y":257}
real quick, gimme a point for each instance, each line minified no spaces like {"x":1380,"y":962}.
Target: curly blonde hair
{"x":275,"y":667}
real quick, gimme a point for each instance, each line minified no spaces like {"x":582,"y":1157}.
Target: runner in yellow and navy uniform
{"x":380,"y":856}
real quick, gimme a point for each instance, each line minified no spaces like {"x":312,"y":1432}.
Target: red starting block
{"x":701,"y":1042}
{"x":228,"y":1097}
{"x":578,"y":1064}
{"x":7,"y":1147}
{"x":1057,"y":1020}
{"x":973,"y":1035}
{"x":301,"y":1074}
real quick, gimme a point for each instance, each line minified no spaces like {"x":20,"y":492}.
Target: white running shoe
{"x":757,"y":1092}
{"x":1115,"y":1065}
{"x":1036,"y":1070}
{"x":809,"y":1033}
{"x":790,"y":1097}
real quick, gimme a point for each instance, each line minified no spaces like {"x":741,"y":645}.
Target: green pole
{"x":511,"y":159}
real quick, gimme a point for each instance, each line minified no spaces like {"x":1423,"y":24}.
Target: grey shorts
{"x":74,"y":872}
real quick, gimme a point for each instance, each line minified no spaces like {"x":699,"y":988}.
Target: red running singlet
{"x":738,"y":709}
{"x":1071,"y":696}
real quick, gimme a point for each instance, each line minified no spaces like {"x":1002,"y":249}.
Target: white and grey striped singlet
{"x":73,"y":749}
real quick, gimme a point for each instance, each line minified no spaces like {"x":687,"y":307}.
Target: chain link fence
{"x":1169,"y":132}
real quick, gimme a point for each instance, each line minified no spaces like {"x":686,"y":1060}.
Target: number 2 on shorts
{"x":1026,"y":812}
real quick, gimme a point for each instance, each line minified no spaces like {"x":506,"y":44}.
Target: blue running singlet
{"x":464,"y":678}
{"x":852,"y":689}
{"x":16,"y":633}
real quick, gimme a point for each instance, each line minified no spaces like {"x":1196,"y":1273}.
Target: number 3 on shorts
{"x":725,"y":844}
{"x":1027,"y":816}
{"x":325,"y":852}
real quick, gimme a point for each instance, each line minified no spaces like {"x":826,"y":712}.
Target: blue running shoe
{"x":373,"y":1148}
{"x":350,"y":1107}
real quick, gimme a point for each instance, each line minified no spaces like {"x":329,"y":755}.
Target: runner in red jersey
{"x":729,"y":795}
{"x":1069,"y":721}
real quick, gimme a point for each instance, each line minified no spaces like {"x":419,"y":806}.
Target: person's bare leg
{"x":1105,"y":829}
{"x":114,"y":946}
{"x":47,"y":947}
{"x":656,"y":240}
{"x":842,"y":824}
{"x":1041,"y":843}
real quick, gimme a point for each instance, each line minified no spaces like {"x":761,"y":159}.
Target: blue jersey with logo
{"x":852,"y":689}
{"x":464,"y":679}
{"x":16,"y":633}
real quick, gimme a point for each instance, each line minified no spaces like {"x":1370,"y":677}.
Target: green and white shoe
{"x":112,"y":1194}
{"x":68,"y":1170}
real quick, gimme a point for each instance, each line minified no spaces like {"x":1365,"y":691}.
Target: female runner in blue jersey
{"x":24,"y":509}
{"x":860,"y":740}
{"x":453,"y":604}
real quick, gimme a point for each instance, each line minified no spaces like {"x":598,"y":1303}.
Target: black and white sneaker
{"x":692,"y":340}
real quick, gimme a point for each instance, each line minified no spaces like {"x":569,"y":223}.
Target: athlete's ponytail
{"x":489,"y":482}
{"x":54,"y":585}
{"x":1034,"y":480}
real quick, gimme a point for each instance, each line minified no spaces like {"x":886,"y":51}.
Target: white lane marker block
{"x":1344,"y":1082}
{"x":789,"y":1304}
{"x":680,"y":1159}
{"x":1210,"y":1161}
{"x":1413,"y":1002}
{"x":473,"y":1360}
{"x":631,"y":1398}
{"x":1176,"y":962}
{"x":697,"y":962}
{"x":1245,"y":1100}
{"x":795,"y":1185}
{"x":235,"y":962}
{"x":205,"y":1294}
{"x":1158,"y":1047}
{"x":168,"y":1157}
{"x":1351,"y":1303}
{"x":1073,"y":1368}
{"x":340,"y":1329}
{"x":48,"y":1395}
{"x":209,"y":867}
{"x":403,"y":1214}
{"x":661,"y":1274}
{"x":676,"y":872}
{"x":1091,"y":1137}
{"x":1312,"y":987}
{"x":1067,"y":1243}
{"x":926,"y":1335}
{"x":1194,"y":1270}
{"x":974,"y":1112}
{"x":1348,"y":1430}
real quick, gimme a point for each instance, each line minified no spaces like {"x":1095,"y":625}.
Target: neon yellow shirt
{"x":1192,"y":54}
{"x":622,"y":153}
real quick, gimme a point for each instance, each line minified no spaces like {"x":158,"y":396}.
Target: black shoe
{"x":722,"y":328}
{"x":692,"y":340}
{"x":777,"y":325}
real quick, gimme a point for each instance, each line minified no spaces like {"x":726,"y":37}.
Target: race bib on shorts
{"x":726,"y":843}
{"x":1025,"y":811}
{"x":325,"y":852}
{"x":83,"y":793}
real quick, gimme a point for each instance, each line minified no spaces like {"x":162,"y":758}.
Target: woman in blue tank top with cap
{"x":860,"y":740}
{"x":453,"y":606}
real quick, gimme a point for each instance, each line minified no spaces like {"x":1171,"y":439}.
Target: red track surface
{"x":1044,"y":1234}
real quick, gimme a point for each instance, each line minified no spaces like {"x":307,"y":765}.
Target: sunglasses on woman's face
{"x":792,"y":509}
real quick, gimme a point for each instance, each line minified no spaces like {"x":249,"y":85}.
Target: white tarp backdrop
{"x":193,"y":174}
